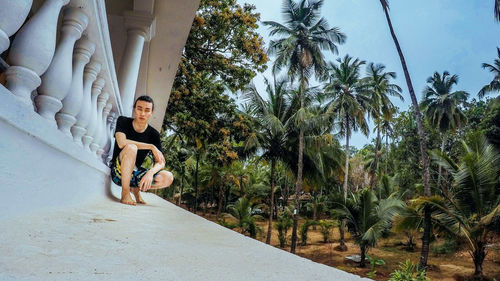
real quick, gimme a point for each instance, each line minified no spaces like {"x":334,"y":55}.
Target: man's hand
{"x":146,"y":181}
{"x":158,"y":155}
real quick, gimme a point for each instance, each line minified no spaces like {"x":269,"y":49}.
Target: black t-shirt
{"x":150,"y":135}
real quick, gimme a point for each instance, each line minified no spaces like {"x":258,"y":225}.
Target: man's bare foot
{"x":137,"y":195}
{"x":126,"y":199}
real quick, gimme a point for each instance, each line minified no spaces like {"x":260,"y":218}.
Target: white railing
{"x":74,"y":81}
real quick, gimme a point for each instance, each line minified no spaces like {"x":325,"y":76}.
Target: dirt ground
{"x":446,"y":267}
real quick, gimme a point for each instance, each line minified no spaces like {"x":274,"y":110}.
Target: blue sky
{"x":435,"y":35}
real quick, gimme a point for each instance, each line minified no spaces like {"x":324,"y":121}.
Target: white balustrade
{"x":108,"y":148}
{"x":56,"y":81}
{"x":72,"y":103}
{"x":104,"y":135}
{"x":12,"y":16}
{"x":101,"y":103}
{"x":82,"y":119}
{"x":32,"y":50}
{"x":96,"y":91}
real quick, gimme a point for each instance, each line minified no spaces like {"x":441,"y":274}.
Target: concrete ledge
{"x":158,"y":241}
{"x":40,"y":167}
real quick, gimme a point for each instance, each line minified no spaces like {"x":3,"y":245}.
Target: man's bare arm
{"x":122,"y":141}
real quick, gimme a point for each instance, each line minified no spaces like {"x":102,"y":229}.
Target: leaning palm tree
{"x":274,"y":114}
{"x":380,"y":88}
{"x":303,"y":37}
{"x":471,"y":210}
{"x":442,"y":107}
{"x":423,"y":146}
{"x":348,"y":107}
{"x":494,"y":85}
{"x":368,"y":217}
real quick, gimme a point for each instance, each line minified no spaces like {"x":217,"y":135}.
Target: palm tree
{"x":387,"y":129}
{"x":497,"y":10}
{"x":347,"y":107}
{"x":442,"y":107}
{"x":380,"y":88}
{"x":275,"y":117}
{"x":494,"y":85}
{"x":421,"y":134}
{"x":368,"y":217}
{"x":244,"y":212}
{"x":470,"y":211}
{"x":304,"y":35}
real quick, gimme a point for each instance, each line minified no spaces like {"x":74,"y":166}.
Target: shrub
{"x":408,"y":272}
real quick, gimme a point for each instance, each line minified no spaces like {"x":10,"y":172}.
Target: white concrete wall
{"x":40,"y":167}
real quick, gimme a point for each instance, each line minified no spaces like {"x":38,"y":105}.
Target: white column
{"x":140,"y":28}
{"x":82,"y":119}
{"x":32,"y":50}
{"x":56,"y":81}
{"x":96,"y":91}
{"x":72,"y":103}
{"x":101,"y":103}
{"x":104,"y":135}
{"x":12,"y":16}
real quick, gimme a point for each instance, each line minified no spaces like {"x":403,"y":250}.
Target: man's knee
{"x":166,"y":178}
{"x":130,"y":149}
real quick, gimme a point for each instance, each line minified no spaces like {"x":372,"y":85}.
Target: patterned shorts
{"x":137,"y":174}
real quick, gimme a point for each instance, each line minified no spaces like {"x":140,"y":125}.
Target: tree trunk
{"x":386,"y":151}
{"x":271,"y":206}
{"x":443,"y":187}
{"x":343,"y":246}
{"x":423,"y":146}
{"x":196,"y":182}
{"x":221,"y":197}
{"x":363,"y":256}
{"x":315,"y":212}
{"x":478,"y":257}
{"x":373,"y":178}
{"x":182,"y":187}
{"x":298,"y":185}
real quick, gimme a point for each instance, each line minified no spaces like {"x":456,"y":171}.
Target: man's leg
{"x":127,"y":160}
{"x":162,"y":180}
{"x":137,"y":195}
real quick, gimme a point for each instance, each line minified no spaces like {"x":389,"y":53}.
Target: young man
{"x":137,"y":161}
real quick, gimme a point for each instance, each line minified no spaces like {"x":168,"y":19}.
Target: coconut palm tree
{"x":347,"y":107}
{"x":423,"y":146}
{"x":474,"y":203}
{"x":494,"y":85}
{"x":380,"y":88}
{"x":274,"y":114}
{"x":368,"y":217}
{"x":442,"y":107}
{"x":244,"y":213}
{"x":304,"y":36}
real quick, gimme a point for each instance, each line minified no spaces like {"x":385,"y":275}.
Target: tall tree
{"x":496,"y":10}
{"x":348,"y":106}
{"x":423,"y":146}
{"x":443,"y":107}
{"x":494,"y":85}
{"x":303,"y":37}
{"x":380,"y":88}
{"x":274,"y":114}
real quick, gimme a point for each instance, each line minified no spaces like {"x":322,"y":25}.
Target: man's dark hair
{"x":146,"y":99}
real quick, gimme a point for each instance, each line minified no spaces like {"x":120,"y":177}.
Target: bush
{"x":408,"y":272}
{"x":326,"y":227}
{"x":303,"y":230}
{"x":449,"y":246}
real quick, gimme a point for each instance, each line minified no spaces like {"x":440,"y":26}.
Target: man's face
{"x":143,"y":111}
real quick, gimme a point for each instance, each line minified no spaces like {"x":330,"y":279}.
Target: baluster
{"x":32,"y":50}
{"x":104,"y":136}
{"x":96,"y":91}
{"x":72,"y":103}
{"x":56,"y":81}
{"x":12,"y":16}
{"x":101,"y":103}
{"x":82,"y":119}
{"x":108,"y":148}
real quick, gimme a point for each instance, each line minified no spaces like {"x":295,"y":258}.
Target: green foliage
{"x":373,"y":262}
{"x":326,"y":229}
{"x":304,"y":228}
{"x":243,"y":212}
{"x":408,"y":272}
{"x":449,"y":246}
{"x":283,"y":224}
